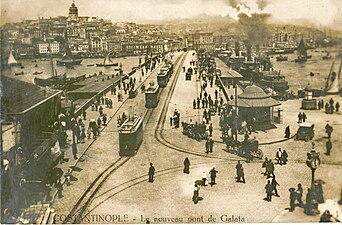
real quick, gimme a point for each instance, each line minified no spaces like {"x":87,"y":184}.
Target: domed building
{"x":73,"y":12}
{"x":255,"y":106}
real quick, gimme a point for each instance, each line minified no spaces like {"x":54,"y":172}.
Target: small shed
{"x":255,"y":106}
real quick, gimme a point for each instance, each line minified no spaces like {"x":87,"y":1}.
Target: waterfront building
{"x":46,"y":47}
{"x":203,"y":40}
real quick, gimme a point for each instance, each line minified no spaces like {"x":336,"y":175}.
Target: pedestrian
{"x":299,"y":195}
{"x":287,"y":132}
{"x":265,"y":165}
{"x":308,"y":205}
{"x":274,"y":184}
{"x":198,"y":103}
{"x":89,"y":132}
{"x":304,"y":116}
{"x":99,"y":122}
{"x":74,"y":150}
{"x":284,"y":156}
{"x":195,"y":197}
{"x":319,"y":193}
{"x":279,"y":157}
{"x":204,"y":179}
{"x":292,"y":199}
{"x":211,"y":145}
{"x":104,"y":119}
{"x":84,"y":114}
{"x":269,"y":191}
{"x":331,"y":101}
{"x":171,"y":119}
{"x":326,"y":217}
{"x":337,"y":106}
{"x":216,"y":94}
{"x":328,"y":146}
{"x":328,"y":129}
{"x":211,"y":129}
{"x":240,"y":173}
{"x":151,"y":173}
{"x":67,"y":176}
{"x":213,"y":173}
{"x":59,"y":187}
{"x":270,"y":168}
{"x":194,"y":104}
{"x":326,"y":107}
{"x":83,"y":134}
{"x":186,"y":166}
{"x":300,"y":117}
{"x":207,"y":146}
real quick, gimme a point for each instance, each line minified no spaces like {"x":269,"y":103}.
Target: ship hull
{"x":72,"y":62}
{"x":107,"y":65}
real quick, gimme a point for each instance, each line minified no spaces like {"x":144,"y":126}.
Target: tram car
{"x":130,"y":136}
{"x":162,"y":79}
{"x":152,"y":95}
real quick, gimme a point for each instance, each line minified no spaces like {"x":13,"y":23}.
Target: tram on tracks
{"x":152,"y":94}
{"x":130,"y":136}
{"x":164,"y":75}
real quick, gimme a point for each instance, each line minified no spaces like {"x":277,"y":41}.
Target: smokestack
{"x":249,"y":52}
{"x":237,"y":48}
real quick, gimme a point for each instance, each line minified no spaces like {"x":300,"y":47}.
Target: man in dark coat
{"x":292,"y":199}
{"x":213,"y":173}
{"x":274,"y":184}
{"x":328,"y":146}
{"x":194,"y":104}
{"x":207,"y":146}
{"x":74,"y":150}
{"x":328,"y":129}
{"x":151,"y":173}
{"x":270,"y":169}
{"x":287,"y":132}
{"x":240,"y":173}
{"x":211,"y":145}
{"x":211,"y":129}
{"x":269,"y":190}
{"x":186,"y":165}
{"x":284,"y":156}
{"x":299,"y":195}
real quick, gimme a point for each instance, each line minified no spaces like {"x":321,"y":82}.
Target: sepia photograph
{"x":170,"y":111}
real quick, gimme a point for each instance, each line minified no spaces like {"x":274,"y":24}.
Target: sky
{"x":319,"y":12}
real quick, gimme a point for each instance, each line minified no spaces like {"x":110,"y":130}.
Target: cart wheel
{"x":259,"y":154}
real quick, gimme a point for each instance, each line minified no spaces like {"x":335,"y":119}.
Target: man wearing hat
{"x":151,"y":173}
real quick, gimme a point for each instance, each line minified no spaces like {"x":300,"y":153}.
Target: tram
{"x":162,"y":79}
{"x":152,"y":95}
{"x":130,"y":136}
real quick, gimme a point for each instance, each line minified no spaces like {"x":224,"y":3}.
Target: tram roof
{"x":152,"y":88}
{"x":131,"y":123}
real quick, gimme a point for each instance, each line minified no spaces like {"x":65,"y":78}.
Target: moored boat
{"x":281,"y":58}
{"x":107,"y":62}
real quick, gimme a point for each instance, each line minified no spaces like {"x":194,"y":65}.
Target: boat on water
{"x":281,"y":58}
{"x":37,"y":72}
{"x":107,"y":62}
{"x":332,"y":83}
{"x":68,"y":59}
{"x":12,"y":62}
{"x":302,"y":53}
{"x":19,"y":73}
{"x":273,"y":79}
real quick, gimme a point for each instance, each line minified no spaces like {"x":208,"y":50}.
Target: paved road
{"x":127,"y":192}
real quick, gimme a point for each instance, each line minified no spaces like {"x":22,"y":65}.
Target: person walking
{"x":265,"y":165}
{"x":269,"y":190}
{"x":300,"y":117}
{"x":151,"y":173}
{"x":240,"y":173}
{"x":299,"y":195}
{"x":213,"y":173}
{"x":337,"y":106}
{"x":274,"y":184}
{"x":195,"y":197}
{"x":186,"y":166}
{"x":207,"y":146}
{"x":328,"y":129}
{"x":211,"y":129}
{"x":284,"y":156}
{"x":211,"y":145}
{"x":194,"y":104}
{"x":59,"y":187}
{"x":292,"y":199}
{"x":304,"y":117}
{"x":279,"y":157}
{"x":74,"y":150}
{"x":287,"y":132}
{"x":270,"y":169}
{"x":328,"y":146}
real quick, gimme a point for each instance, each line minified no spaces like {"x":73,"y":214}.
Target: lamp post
{"x":313,"y":162}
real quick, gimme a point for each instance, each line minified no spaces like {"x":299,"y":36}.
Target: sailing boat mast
{"x":51,"y":61}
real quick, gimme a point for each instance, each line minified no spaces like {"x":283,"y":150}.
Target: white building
{"x":44,"y":47}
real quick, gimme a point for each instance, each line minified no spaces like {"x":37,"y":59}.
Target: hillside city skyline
{"x":181,"y":11}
